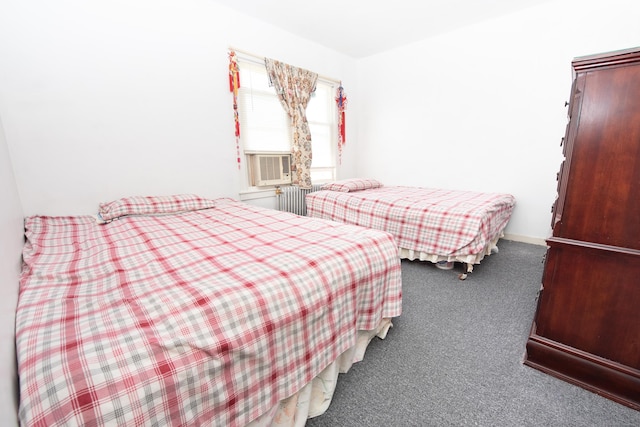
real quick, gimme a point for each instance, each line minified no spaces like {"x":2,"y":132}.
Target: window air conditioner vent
{"x":271,"y":169}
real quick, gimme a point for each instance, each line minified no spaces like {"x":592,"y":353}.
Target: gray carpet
{"x":454,"y":357}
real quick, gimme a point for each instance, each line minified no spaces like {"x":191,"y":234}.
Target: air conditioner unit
{"x":271,"y":169}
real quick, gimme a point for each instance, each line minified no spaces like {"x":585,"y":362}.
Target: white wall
{"x":483,"y":107}
{"x":11,"y":240}
{"x":106,"y":99}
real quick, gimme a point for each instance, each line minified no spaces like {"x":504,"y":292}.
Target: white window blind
{"x":321,"y":115}
{"x":264,"y":124}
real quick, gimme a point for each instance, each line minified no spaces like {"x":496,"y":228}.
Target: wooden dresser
{"x":586,"y":328}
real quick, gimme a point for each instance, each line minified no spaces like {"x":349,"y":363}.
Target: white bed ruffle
{"x":470,"y":260}
{"x":315,"y":397}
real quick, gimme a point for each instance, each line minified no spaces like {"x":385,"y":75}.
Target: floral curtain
{"x":294,"y":87}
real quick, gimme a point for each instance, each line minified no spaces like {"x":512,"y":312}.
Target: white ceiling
{"x":360,"y":28}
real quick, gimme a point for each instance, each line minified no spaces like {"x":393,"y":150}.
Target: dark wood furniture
{"x":587,"y":325}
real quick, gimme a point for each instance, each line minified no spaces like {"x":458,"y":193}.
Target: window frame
{"x":329,"y":172}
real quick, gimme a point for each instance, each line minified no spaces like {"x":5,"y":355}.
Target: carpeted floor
{"x":454,"y":357}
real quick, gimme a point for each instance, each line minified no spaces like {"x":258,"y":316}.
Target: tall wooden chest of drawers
{"x":586,"y":328}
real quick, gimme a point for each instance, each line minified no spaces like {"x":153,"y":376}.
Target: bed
{"x":437,"y":225}
{"x":180,"y":310}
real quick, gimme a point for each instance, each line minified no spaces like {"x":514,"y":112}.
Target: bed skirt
{"x":470,"y":260}
{"x":315,"y":397}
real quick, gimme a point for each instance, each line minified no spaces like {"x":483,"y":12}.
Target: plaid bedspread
{"x":201,"y":318}
{"x":435,"y":221}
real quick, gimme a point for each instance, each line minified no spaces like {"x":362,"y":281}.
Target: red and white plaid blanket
{"x":207,"y":317}
{"x":448,"y":223}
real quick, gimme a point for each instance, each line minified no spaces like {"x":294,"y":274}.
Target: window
{"x":321,"y":115}
{"x":265,"y":126}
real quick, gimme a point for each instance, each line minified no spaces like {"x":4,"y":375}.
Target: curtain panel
{"x":294,"y":87}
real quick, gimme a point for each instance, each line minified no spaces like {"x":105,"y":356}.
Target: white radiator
{"x":292,"y":199}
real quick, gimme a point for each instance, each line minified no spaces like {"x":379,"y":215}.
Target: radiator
{"x":292,"y":199}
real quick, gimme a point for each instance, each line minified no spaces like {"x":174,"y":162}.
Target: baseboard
{"x":525,"y":239}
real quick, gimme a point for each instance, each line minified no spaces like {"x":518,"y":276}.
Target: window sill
{"x":254,"y":194}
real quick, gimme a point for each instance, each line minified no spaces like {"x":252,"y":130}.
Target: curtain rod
{"x":244,"y":52}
